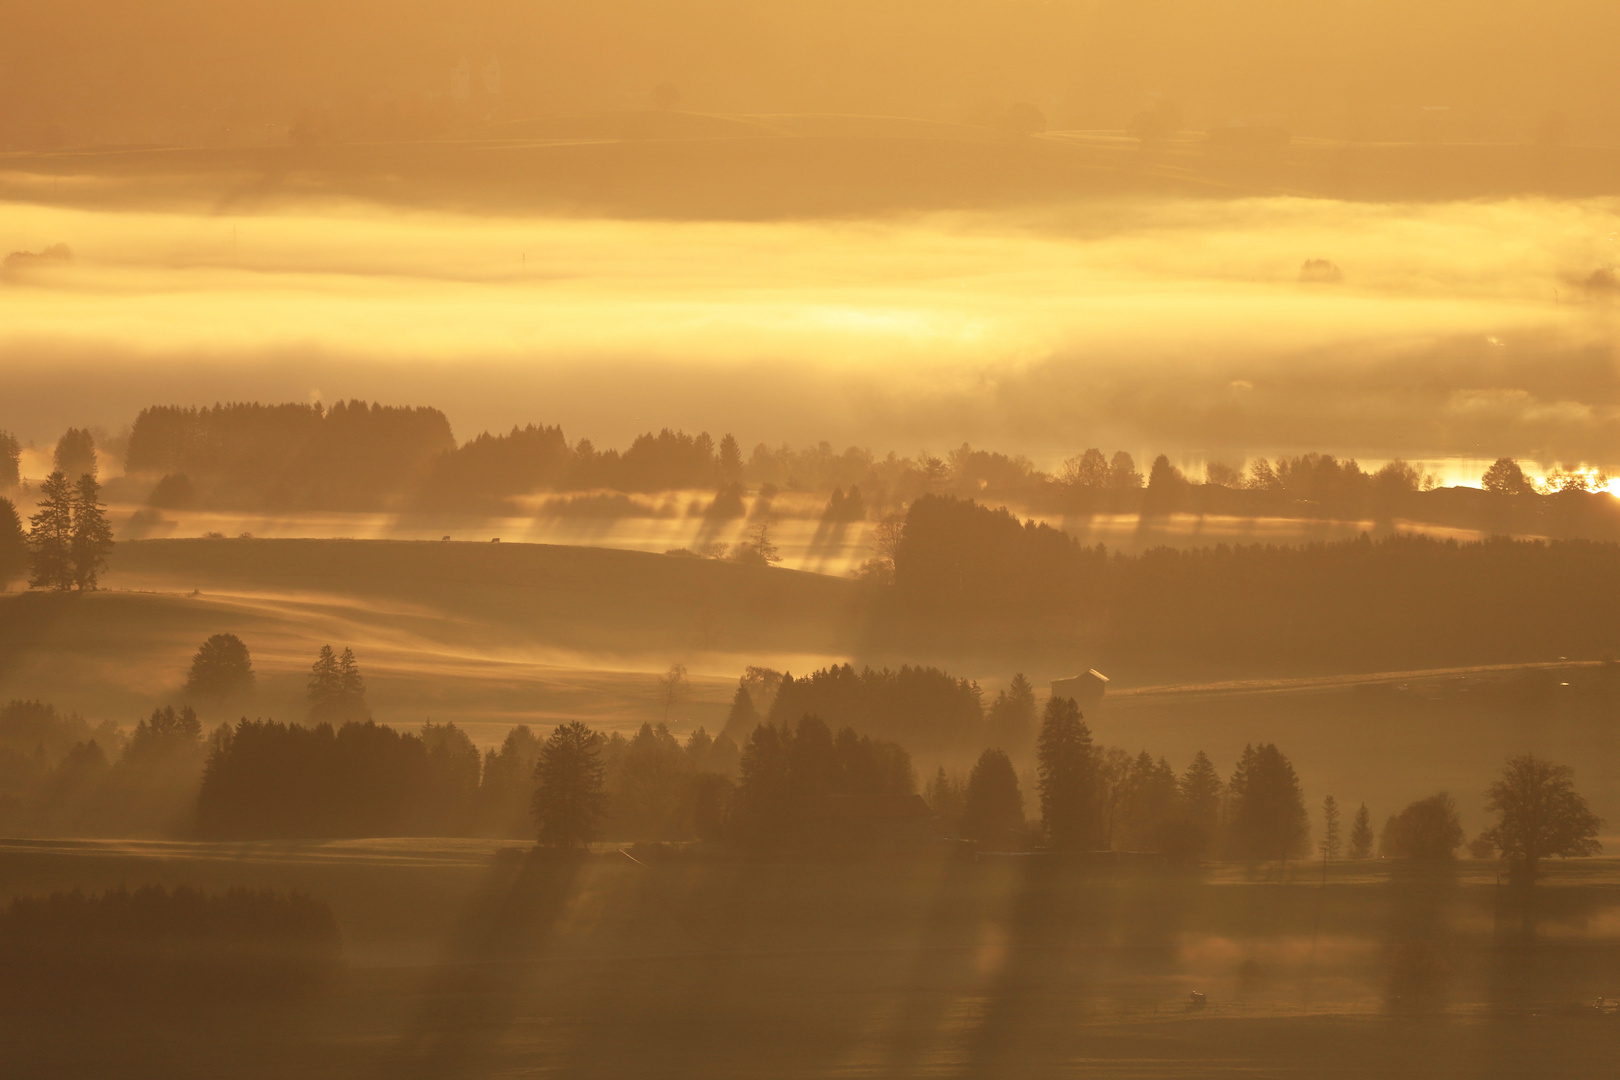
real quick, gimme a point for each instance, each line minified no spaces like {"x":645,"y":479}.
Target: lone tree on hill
{"x":50,"y":535}
{"x":1268,"y":809}
{"x":1361,"y":834}
{"x":569,"y":799}
{"x":1066,"y":775}
{"x":992,"y":805}
{"x":92,"y":537}
{"x":1539,"y":815}
{"x":222,"y":668}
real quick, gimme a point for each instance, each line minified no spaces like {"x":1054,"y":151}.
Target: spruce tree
{"x":50,"y":535}
{"x":1268,"y":818}
{"x":992,"y":805}
{"x":569,"y":797}
{"x":325,"y":687}
{"x":1066,"y":778}
{"x":10,"y":458}
{"x":1361,"y":834}
{"x":92,"y":536}
{"x":13,"y":544}
{"x":351,"y":688}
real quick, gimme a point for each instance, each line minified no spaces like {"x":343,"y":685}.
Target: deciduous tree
{"x":1539,"y":815}
{"x":222,"y":668}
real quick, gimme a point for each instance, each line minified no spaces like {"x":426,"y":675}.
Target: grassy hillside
{"x":482,"y":634}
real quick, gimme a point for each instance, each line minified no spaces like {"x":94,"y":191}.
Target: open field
{"x":466,"y":962}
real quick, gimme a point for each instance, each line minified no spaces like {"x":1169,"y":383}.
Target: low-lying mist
{"x":1457,"y":330}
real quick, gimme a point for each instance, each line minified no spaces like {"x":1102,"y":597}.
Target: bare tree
{"x":673,"y":688}
{"x":1329,"y":847}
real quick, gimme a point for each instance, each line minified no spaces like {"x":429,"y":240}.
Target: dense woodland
{"x":1397,"y":602}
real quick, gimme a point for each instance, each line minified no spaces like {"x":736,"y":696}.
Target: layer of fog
{"x":1460,"y":330}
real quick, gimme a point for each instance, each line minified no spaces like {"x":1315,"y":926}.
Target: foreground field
{"x":464,"y":960}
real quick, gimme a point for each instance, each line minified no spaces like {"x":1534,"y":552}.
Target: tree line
{"x":1398,"y":602}
{"x":361,"y":456}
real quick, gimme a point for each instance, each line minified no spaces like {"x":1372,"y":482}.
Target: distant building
{"x":1086,"y":690}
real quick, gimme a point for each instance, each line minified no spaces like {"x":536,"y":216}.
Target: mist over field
{"x":730,"y":538}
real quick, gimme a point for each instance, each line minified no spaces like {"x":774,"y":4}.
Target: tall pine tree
{"x":1066,"y":777}
{"x":92,"y":536}
{"x":50,"y":535}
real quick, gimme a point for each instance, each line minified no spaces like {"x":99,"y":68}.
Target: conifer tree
{"x":569,"y":796}
{"x":1361,"y":834}
{"x":10,"y":458}
{"x":1066,"y":778}
{"x":1268,"y":818}
{"x":325,"y":687}
{"x":50,"y":535}
{"x":992,"y":805}
{"x":1329,"y":847}
{"x":13,"y":544}
{"x":92,"y":536}
{"x":351,"y":688}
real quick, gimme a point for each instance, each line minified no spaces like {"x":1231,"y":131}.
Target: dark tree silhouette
{"x":1427,"y":829}
{"x":729,"y":467}
{"x":13,"y":544}
{"x":743,"y":717}
{"x":1361,"y":834}
{"x":1268,"y":819}
{"x":1539,"y":815}
{"x":92,"y":537}
{"x":222,"y":668}
{"x":1197,"y":820}
{"x":992,"y":805}
{"x":10,"y":459}
{"x":507,"y":785}
{"x":1504,"y":477}
{"x":76,"y":453}
{"x":1329,"y":845}
{"x":50,"y":535}
{"x":569,"y":798}
{"x":1067,"y":778}
{"x":337,"y":693}
{"x":944,"y":795}
{"x":1012,"y":718}
{"x":1148,"y":807}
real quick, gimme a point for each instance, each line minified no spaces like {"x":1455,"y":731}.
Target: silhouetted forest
{"x":157,"y":950}
{"x":352,"y":456}
{"x":356,"y":456}
{"x":1398,"y":602}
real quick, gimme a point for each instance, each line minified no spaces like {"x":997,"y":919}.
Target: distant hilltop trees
{"x":360,"y":456}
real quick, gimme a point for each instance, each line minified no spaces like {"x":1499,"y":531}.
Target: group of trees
{"x":69,"y":538}
{"x":352,"y":456}
{"x":58,"y":775}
